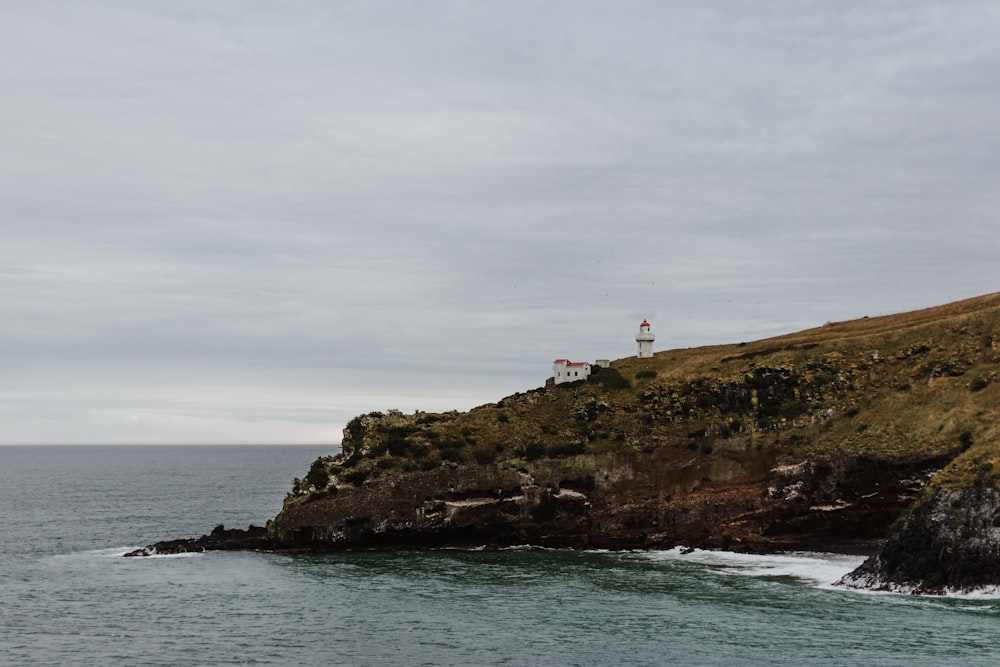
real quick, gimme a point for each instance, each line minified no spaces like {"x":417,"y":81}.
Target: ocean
{"x":68,"y":598}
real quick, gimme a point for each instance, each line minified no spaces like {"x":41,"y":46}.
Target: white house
{"x":564,"y":370}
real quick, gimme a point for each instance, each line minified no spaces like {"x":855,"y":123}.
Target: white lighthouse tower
{"x":645,"y":340}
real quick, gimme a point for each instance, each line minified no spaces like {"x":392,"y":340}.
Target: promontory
{"x":876,"y":436}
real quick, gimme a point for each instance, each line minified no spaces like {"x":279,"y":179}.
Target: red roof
{"x":561,"y":361}
{"x":577,"y":363}
{"x":644,"y":324}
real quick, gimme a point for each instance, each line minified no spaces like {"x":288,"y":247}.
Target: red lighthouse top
{"x":644,"y":324}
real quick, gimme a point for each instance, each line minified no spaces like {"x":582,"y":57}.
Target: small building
{"x":564,"y":370}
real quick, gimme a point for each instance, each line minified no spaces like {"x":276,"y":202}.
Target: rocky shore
{"x":254,"y":538}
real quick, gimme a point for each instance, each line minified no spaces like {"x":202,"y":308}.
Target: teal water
{"x":67,"y":598}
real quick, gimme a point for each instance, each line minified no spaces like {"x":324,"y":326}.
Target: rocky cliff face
{"x":950,"y":542}
{"x":660,"y":499}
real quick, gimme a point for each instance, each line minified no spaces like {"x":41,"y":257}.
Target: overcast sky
{"x":248,"y":221}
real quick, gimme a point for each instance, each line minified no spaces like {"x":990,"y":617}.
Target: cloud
{"x":350,"y":207}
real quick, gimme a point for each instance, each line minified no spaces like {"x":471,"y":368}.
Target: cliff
{"x":822,"y":439}
{"x":949,"y":540}
{"x":660,"y":499}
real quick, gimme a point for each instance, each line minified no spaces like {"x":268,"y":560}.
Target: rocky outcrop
{"x":455,"y":505}
{"x":672,"y":496}
{"x":736,"y":500}
{"x":949,"y":542}
{"x":254,"y":538}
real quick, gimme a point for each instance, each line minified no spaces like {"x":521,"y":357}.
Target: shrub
{"x":356,"y":476}
{"x":484,"y":454}
{"x":354,"y":433}
{"x":610,"y":378}
{"x":978,"y":384}
{"x":418,"y":450}
{"x":318,"y":476}
{"x":428,"y":418}
{"x":792,"y":409}
{"x":534,"y":450}
{"x":965,"y":439}
{"x":646,"y":374}
{"x":387,"y":463}
{"x":453,"y":454}
{"x":397,"y":446}
{"x":558,"y":449}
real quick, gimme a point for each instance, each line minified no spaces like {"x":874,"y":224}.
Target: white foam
{"x":821,"y":569}
{"x":154,"y":554}
{"x":108,"y":552}
{"x":981,"y":593}
{"x":984,"y":593}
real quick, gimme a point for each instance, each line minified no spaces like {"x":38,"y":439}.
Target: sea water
{"x":67,"y":597}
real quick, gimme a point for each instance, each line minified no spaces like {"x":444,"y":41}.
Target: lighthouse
{"x":645,"y":340}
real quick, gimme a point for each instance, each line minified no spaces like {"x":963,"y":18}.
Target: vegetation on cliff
{"x":914,"y":385}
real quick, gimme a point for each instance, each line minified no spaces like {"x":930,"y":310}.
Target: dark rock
{"x":254,"y":538}
{"x":949,"y":542}
{"x":661,"y":499}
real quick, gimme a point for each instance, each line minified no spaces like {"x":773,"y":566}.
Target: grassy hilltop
{"x":916,"y":385}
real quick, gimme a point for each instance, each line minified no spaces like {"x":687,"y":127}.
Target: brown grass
{"x":890,"y":387}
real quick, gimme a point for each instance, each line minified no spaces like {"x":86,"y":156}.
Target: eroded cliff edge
{"x":657,"y":499}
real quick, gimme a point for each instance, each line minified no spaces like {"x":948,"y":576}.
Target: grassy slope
{"x":896,"y":387}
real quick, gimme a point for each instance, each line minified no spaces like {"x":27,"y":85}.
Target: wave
{"x":114,"y":552}
{"x":153,"y":554}
{"x":817,"y":568}
{"x":820,"y":569}
{"x":878,"y":587}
